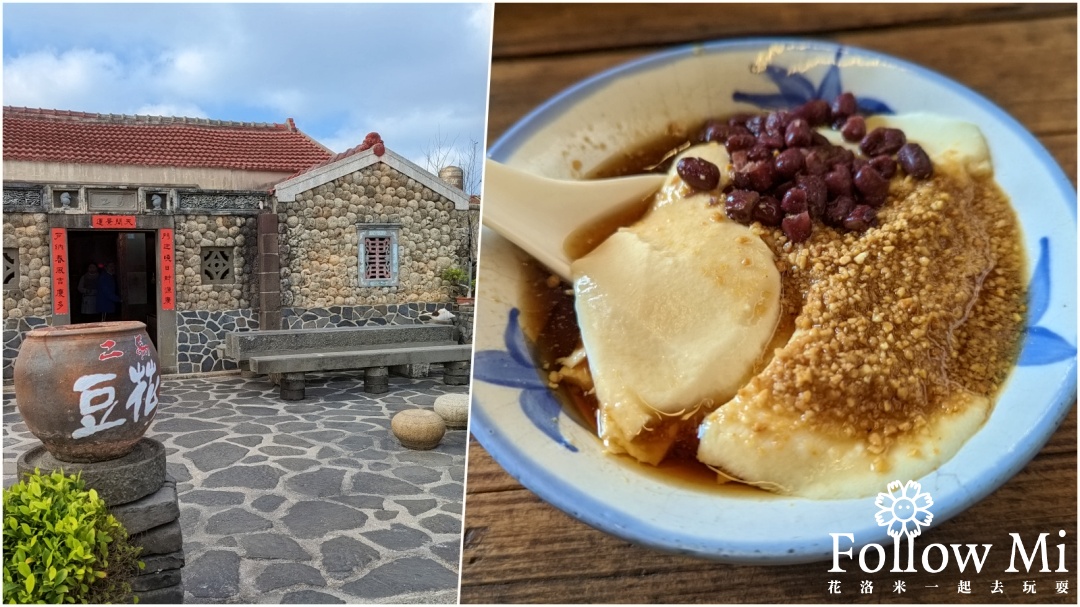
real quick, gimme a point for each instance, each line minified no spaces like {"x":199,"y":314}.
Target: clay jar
{"x":88,"y":391}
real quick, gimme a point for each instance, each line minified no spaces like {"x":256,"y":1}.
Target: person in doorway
{"x":88,"y":287}
{"x":107,"y":294}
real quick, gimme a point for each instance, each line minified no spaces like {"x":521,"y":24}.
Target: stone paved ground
{"x":312,"y":501}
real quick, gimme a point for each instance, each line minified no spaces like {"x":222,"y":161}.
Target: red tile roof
{"x":83,"y":138}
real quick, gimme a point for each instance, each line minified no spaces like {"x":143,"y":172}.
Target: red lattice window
{"x":377,"y":257}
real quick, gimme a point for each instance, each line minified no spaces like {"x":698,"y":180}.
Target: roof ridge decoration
{"x":369,"y":152}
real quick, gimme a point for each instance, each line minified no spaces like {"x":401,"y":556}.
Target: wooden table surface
{"x":1023,"y":58}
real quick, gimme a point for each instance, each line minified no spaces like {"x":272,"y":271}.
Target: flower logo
{"x":904,"y":509}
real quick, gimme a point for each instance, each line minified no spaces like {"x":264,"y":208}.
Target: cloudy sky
{"x":416,"y":73}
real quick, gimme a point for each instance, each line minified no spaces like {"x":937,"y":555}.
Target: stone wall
{"x":193,"y":232}
{"x":320,"y":248}
{"x":28,"y":302}
{"x":200,"y":338}
{"x":32,"y":296}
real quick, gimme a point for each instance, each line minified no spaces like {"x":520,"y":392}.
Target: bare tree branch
{"x":442,"y":151}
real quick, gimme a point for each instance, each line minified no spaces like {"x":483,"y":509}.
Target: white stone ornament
{"x":418,"y":428}
{"x":454,"y":409}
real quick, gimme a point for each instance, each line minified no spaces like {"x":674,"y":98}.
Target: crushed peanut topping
{"x":933,"y":303}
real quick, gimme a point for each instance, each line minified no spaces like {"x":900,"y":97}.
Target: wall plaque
{"x":112,"y":201}
{"x":112,"y":221}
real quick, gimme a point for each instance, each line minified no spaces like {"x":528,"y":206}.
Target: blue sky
{"x":416,"y":73}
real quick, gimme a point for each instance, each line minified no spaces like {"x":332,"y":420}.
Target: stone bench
{"x":376,"y":349}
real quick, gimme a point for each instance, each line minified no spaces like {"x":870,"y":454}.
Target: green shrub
{"x":455,"y":276}
{"x":61,"y":545}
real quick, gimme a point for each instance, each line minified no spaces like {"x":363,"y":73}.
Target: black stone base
{"x":292,"y":386}
{"x":156,"y":509}
{"x":376,"y":380}
{"x":169,"y":595}
{"x":117,"y":481}
{"x":163,"y":539}
{"x":456,"y":373}
{"x":156,"y":581}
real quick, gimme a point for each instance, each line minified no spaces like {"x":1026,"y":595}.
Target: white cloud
{"x":187,"y":110}
{"x":340,"y":70}
{"x":59,"y":80}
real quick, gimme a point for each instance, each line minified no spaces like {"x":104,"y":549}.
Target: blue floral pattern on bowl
{"x":515,"y":368}
{"x":1042,"y":346}
{"x":796,"y":89}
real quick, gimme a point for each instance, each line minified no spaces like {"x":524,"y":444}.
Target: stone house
{"x":218,"y":226}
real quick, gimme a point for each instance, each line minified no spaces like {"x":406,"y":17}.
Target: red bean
{"x":756,"y":124}
{"x":861,"y":218}
{"x":759,"y":152}
{"x":768,"y":211}
{"x":882,"y":140}
{"x":788,"y":163}
{"x":871,"y":184}
{"x":797,"y":133}
{"x":854,"y":128}
{"x":780,"y":190}
{"x":739,"y":205}
{"x":844,"y":105}
{"x":816,"y":192}
{"x":885,"y":165}
{"x":775,"y":142}
{"x":715,"y":131}
{"x":838,"y":210}
{"x":815,"y":111}
{"x":914,"y":161}
{"x":817,"y":161}
{"x":797,"y":227}
{"x":757,"y":175}
{"x":838,"y":181}
{"x":698,"y":173}
{"x":739,"y":120}
{"x":794,"y":201}
{"x":775,"y":123}
{"x":740,"y":141}
{"x":782,"y":166}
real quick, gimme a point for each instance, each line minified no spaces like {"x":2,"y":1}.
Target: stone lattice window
{"x":379,"y":256}
{"x":11,"y":268}
{"x":217,"y":265}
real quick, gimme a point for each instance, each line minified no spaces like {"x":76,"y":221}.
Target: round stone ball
{"x":454,"y":409}
{"x":418,"y":428}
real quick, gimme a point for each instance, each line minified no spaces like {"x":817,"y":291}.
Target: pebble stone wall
{"x":193,"y":232}
{"x":28,"y":304}
{"x":206,"y":312}
{"x":319,"y":247}
{"x":319,"y":242}
{"x":33,"y":295}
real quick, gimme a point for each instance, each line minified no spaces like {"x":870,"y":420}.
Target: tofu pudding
{"x":819,"y":362}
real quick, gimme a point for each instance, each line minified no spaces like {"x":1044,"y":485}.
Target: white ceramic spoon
{"x":538,"y":213}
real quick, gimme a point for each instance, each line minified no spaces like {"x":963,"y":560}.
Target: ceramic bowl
{"x":521,"y":424}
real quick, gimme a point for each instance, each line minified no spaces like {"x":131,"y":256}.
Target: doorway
{"x":133,"y":254}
